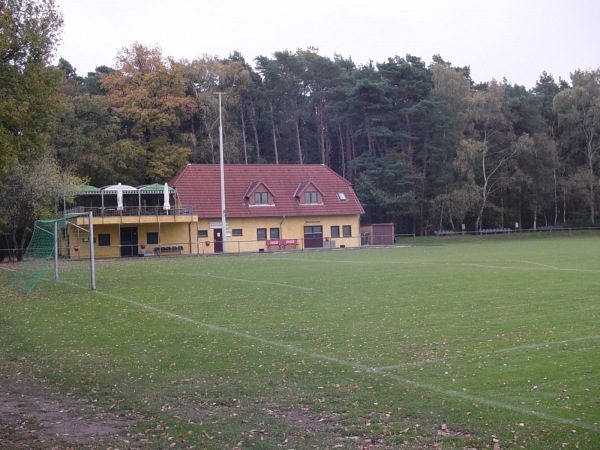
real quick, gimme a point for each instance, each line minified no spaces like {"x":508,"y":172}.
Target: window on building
{"x":202,"y":233}
{"x":347,"y":231}
{"x":335,"y":231}
{"x":152,"y":237}
{"x":261,"y":198}
{"x":341,"y":196}
{"x":261,"y":234}
{"x":236,"y":232}
{"x":104,"y":240}
{"x":311,"y":197}
{"x":273,"y":233}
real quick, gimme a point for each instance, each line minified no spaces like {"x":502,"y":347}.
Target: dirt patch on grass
{"x":301,"y":419}
{"x":35,"y":415}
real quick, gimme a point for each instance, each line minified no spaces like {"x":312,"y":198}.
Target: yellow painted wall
{"x":76,"y":239}
{"x":290,"y":228}
{"x":170,"y":234}
{"x":179,"y":233}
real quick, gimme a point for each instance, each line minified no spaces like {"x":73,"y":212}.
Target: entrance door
{"x":129,"y":241}
{"x":218,"y":238}
{"x":313,"y":237}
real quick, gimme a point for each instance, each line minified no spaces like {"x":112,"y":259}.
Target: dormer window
{"x":261,"y":198}
{"x":308,"y":194}
{"x":259,"y":194}
{"x":311,"y":197}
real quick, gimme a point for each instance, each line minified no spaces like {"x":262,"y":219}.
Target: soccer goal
{"x":54,"y":241}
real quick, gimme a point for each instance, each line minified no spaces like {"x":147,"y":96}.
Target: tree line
{"x":424,"y":145}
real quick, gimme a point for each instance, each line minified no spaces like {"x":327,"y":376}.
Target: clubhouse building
{"x":267,"y":208}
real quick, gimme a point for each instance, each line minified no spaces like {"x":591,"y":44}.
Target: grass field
{"x":490,"y":343}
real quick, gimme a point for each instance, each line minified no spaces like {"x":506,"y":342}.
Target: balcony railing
{"x":132,"y":211}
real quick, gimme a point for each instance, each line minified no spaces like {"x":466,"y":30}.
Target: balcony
{"x":132,"y":211}
{"x":127,"y":204}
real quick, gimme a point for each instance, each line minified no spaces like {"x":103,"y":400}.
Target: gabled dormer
{"x":259,"y":194}
{"x":308,"y":194}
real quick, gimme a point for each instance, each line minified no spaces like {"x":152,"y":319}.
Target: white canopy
{"x":126,"y":189}
{"x":118,"y":190}
{"x":166,"y":204}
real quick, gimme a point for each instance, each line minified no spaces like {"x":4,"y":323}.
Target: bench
{"x":282,"y":244}
{"x":494,"y":230}
{"x":444,"y":232}
{"x":550,"y":228}
{"x":173,"y":249}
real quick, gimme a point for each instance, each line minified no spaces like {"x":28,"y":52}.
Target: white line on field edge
{"x":221,"y":277}
{"x":489,"y":266}
{"x":362,"y":367}
{"x":539,"y":266}
{"x":488,"y":353}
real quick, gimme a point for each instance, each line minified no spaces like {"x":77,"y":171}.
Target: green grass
{"x":464,"y":344}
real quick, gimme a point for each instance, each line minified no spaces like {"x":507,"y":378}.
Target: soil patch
{"x":301,"y":419}
{"x":35,"y":415}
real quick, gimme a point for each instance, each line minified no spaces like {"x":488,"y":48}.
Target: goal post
{"x":44,"y":247}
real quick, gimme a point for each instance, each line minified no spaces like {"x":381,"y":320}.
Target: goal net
{"x":50,"y":243}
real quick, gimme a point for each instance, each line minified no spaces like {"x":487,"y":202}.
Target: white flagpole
{"x":56,"y":250}
{"x":223,"y":215}
{"x":92,"y":257}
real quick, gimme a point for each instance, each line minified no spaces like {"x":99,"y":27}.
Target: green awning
{"x":87,"y":189}
{"x":155,"y":188}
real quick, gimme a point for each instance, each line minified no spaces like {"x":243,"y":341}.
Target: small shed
{"x":377,"y":234}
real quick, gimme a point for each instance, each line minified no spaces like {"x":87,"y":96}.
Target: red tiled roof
{"x":199,"y":186}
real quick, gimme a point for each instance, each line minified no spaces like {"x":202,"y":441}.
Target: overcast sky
{"x":512,"y":39}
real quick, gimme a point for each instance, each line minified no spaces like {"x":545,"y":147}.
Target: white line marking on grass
{"x":436,"y":263}
{"x":362,"y":367}
{"x":487,"y":353}
{"x":221,"y":277}
{"x":490,"y":266}
{"x":539,"y":264}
